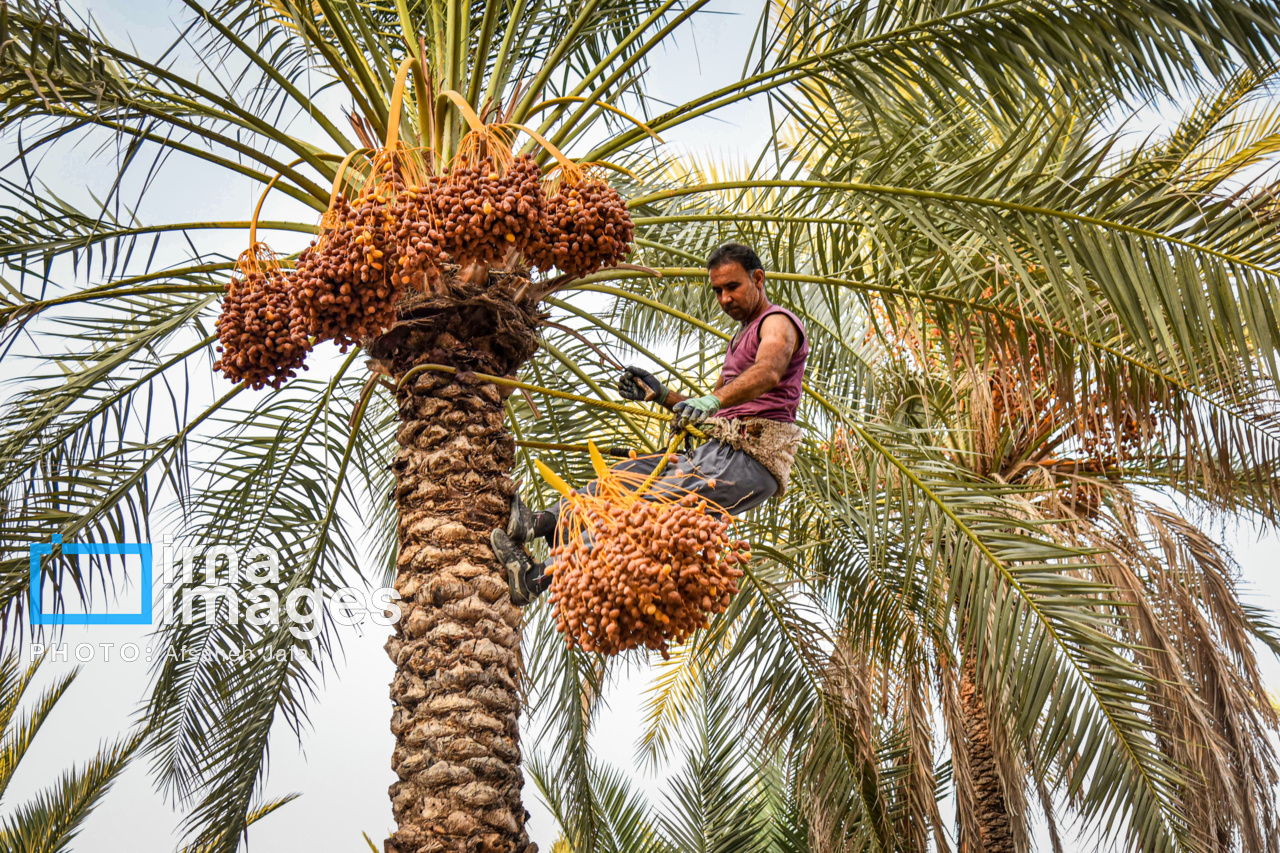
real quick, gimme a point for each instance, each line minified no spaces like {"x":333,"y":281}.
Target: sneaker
{"x":518,"y":565}
{"x":520,"y":522}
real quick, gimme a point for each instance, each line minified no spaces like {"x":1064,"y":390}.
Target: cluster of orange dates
{"x":402,"y":227}
{"x":262,"y":329}
{"x":635,"y":569}
{"x":645,"y":576}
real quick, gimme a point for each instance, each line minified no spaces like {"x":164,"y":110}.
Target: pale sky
{"x":342,"y":768}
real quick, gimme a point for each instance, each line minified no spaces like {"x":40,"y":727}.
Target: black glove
{"x":635,"y":383}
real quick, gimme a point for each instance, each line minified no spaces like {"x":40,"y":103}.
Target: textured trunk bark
{"x":994,"y":826}
{"x":457,"y":645}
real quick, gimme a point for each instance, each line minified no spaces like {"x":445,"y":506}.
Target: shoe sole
{"x":501,"y":544}
{"x":519,"y":522}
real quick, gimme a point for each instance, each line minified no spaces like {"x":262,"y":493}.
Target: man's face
{"x":738,"y":292}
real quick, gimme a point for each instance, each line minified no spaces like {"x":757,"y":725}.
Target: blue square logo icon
{"x":111,"y":549}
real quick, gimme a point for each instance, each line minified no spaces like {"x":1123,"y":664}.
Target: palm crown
{"x":992,"y":285}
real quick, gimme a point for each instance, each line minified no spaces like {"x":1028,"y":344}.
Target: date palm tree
{"x":117,"y":422}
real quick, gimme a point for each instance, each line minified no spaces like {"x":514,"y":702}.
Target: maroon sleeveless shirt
{"x":779,"y":402}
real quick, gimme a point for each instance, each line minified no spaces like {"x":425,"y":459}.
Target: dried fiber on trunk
{"x":995,"y":824}
{"x":457,"y":646}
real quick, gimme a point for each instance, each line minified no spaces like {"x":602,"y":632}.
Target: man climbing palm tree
{"x":749,"y":416}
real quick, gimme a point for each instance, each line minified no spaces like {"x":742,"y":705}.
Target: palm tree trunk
{"x":991,"y":811}
{"x":457,"y":645}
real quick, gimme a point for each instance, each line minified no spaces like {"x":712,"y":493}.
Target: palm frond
{"x":51,"y":820}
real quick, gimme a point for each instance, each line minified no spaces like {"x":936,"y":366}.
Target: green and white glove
{"x":694,"y":411}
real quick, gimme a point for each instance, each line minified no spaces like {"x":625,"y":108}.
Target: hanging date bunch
{"x":413,"y":230}
{"x":262,"y":336}
{"x":639,"y":569}
{"x":371,"y":250}
{"x":585,"y":225}
{"x":490,"y":202}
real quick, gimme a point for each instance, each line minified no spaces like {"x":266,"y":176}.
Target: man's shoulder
{"x":781,"y":321}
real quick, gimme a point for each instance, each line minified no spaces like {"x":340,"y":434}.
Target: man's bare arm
{"x":778,"y":341}
{"x":674,"y":397}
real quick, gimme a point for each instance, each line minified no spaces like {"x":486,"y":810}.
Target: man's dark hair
{"x":735,"y":253}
